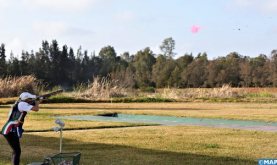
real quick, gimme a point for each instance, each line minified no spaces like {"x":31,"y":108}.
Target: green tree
{"x":245,"y":72}
{"x":184,"y":61}
{"x":56,"y":63}
{"x":143,"y":62}
{"x":110,"y":61}
{"x":213,"y":70}
{"x":95,"y":65}
{"x":230,"y":71}
{"x":43,"y":64}
{"x":168,"y":47}
{"x":3,"y":64}
{"x":157,"y":77}
{"x":85,"y":68}
{"x":260,"y":72}
{"x":24,"y":67}
{"x":64,"y":67}
{"x":195,"y":74}
{"x":126,"y":57}
{"x":71,"y":66}
{"x":13,"y":66}
{"x":175,"y":78}
{"x":166,"y":79}
{"x":273,"y":68}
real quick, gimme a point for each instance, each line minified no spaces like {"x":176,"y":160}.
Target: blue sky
{"x":248,"y":27}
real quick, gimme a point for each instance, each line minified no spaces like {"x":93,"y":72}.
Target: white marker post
{"x":62,"y":124}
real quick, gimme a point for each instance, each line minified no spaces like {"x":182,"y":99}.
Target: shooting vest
{"x":15,"y":122}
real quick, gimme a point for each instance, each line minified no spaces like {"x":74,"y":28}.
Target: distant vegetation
{"x":107,"y":89}
{"x":61,"y":65}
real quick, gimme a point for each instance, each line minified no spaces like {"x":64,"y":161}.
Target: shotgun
{"x":45,"y":96}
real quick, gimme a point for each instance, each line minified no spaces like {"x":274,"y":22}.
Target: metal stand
{"x":61,"y":157}
{"x":61,"y":139}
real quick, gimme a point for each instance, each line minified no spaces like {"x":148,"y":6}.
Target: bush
{"x":147,"y":89}
{"x":65,"y":99}
{"x":262,"y":94}
{"x":141,"y":100}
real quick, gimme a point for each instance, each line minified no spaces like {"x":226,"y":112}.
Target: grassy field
{"x":121,"y":143}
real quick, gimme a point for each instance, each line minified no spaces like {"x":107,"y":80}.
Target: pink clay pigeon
{"x":195,"y":28}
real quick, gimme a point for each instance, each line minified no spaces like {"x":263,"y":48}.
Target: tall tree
{"x":260,"y":71}
{"x":85,"y":68}
{"x":157,"y":77}
{"x":168,"y":47}
{"x":175,"y":78}
{"x":143,"y":62}
{"x":3,"y":64}
{"x":232,"y":69}
{"x":273,"y":68}
{"x":184,"y":61}
{"x":110,"y":61}
{"x":195,"y":74}
{"x":13,"y":66}
{"x":55,"y":57}
{"x":213,"y":70}
{"x":43,"y":64}
{"x":125,"y":56}
{"x":245,"y":72}
{"x":64,"y":65}
{"x":24,"y":67}
{"x":71,"y":66}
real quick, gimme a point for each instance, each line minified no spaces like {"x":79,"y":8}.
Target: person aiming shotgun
{"x":13,"y":129}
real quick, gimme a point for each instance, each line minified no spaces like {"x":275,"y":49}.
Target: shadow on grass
{"x":5,"y":106}
{"x":35,"y":147}
{"x":120,"y":108}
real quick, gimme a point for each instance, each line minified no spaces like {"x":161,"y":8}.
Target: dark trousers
{"x":13,"y":141}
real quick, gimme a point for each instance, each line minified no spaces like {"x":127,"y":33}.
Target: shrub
{"x":147,"y":89}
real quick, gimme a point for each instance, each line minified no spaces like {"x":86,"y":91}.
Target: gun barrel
{"x":47,"y":95}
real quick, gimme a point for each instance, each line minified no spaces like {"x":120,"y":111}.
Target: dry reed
{"x":226,"y":91}
{"x":104,"y":87}
{"x":13,"y":86}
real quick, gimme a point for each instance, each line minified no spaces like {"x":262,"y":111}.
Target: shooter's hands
{"x":39,"y":101}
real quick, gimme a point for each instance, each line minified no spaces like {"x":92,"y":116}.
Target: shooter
{"x":13,"y":129}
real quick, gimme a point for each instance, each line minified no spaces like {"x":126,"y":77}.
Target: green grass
{"x":261,"y":94}
{"x":131,"y":143}
{"x":151,"y":145}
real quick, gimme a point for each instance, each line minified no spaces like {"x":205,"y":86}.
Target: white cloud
{"x":5,"y":3}
{"x":51,"y":29}
{"x":15,"y":46}
{"x":63,"y":5}
{"x":263,"y":6}
{"x":57,"y":29}
{"x":244,"y":3}
{"x":269,"y":6}
{"x":124,"y":16}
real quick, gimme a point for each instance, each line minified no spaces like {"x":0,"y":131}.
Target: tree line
{"x":62,"y":66}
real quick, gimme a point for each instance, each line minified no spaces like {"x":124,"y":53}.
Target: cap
{"x":26,"y":95}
